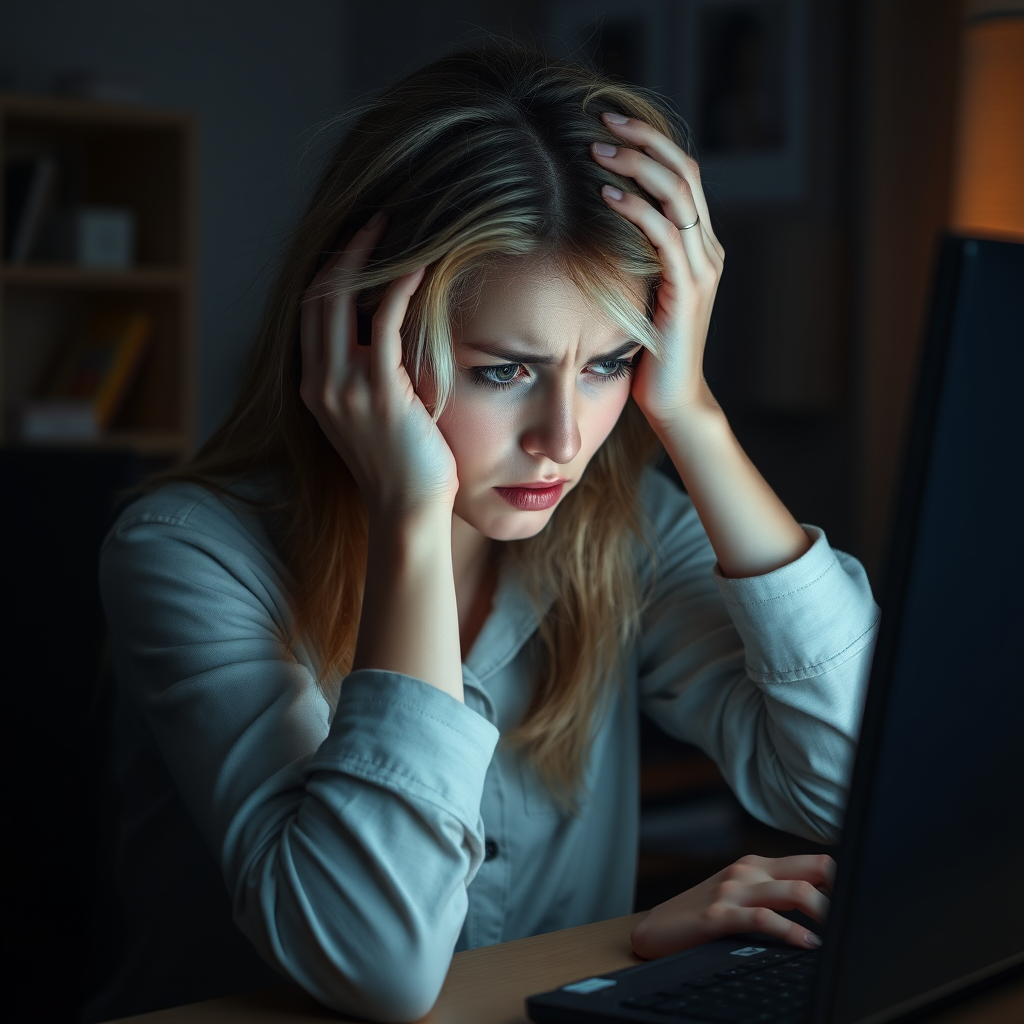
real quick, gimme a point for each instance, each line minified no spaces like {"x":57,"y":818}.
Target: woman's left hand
{"x":691,"y":257}
{"x":743,"y":897}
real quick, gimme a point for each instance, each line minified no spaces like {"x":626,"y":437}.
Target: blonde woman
{"x":382,"y":645}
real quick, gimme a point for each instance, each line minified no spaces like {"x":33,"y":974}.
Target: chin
{"x":511,"y":525}
{"x":529,"y":525}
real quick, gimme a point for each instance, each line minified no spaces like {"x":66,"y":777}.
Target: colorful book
{"x":90,"y":380}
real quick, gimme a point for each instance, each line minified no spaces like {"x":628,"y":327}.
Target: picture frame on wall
{"x":742,"y":85}
{"x":737,"y":71}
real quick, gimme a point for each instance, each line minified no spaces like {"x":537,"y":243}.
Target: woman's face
{"x":542,"y":377}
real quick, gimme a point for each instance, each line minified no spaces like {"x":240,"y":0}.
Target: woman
{"x":461,"y":410}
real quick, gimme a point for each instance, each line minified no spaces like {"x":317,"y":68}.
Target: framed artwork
{"x":736,"y":70}
{"x":742,"y":85}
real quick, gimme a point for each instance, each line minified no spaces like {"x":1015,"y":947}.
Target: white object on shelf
{"x":94,"y":236}
{"x":55,"y":420}
{"x":104,"y":236}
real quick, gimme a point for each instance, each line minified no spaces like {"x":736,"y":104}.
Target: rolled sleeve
{"x":825,"y":600}
{"x":346,"y":843}
{"x":767,"y":674}
{"x":362,"y":893}
{"x":407,"y":736}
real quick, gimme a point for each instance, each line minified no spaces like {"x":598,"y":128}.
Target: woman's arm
{"x":750,"y":529}
{"x":365,"y":403}
{"x":346,"y":844}
{"x":766,"y":674}
{"x":409,"y":620}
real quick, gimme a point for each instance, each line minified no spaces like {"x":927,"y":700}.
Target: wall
{"x":908,"y":56}
{"x":260,"y":75}
{"x":392,"y":38}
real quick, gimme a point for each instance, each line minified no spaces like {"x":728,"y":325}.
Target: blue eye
{"x":614,"y":369}
{"x":496,"y":376}
{"x":509,"y":375}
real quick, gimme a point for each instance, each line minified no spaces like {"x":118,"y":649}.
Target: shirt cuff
{"x":805,"y":618}
{"x":410,"y":737}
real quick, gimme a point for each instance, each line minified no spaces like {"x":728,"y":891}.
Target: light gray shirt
{"x":351,"y":840}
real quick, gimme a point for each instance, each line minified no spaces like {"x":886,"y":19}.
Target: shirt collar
{"x":512,"y":621}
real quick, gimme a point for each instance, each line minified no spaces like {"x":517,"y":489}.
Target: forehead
{"x":536,"y":304}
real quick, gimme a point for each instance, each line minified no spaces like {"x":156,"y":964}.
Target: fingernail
{"x":603,"y":149}
{"x":375,"y":220}
{"x":812,"y":939}
{"x":614,"y":118}
{"x":611,"y":192}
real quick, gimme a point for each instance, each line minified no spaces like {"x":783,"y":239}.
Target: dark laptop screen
{"x":931,"y":886}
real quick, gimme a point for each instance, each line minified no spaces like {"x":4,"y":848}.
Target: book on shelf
{"x":90,"y":379}
{"x":28,"y":185}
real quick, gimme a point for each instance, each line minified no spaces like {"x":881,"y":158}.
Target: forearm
{"x":750,"y":529}
{"x":410,"y":620}
{"x":350,"y":874}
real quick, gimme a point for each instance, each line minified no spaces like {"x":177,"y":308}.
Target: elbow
{"x":357,"y":938}
{"x":817,"y":819}
{"x":393,"y":982}
{"x":392,"y":1000}
{"x":390,"y":974}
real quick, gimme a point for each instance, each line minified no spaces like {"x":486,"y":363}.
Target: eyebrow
{"x":537,"y":360}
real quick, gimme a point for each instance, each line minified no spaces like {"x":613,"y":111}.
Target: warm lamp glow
{"x":988,"y":183}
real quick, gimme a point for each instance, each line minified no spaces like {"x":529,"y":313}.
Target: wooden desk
{"x":488,"y":986}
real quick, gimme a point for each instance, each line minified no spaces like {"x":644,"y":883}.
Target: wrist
{"x":700,"y":421}
{"x":422,"y":532}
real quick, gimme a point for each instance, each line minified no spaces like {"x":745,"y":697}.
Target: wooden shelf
{"x":60,"y":109}
{"x":145,"y":442}
{"x":106,"y":155}
{"x":61,"y":276}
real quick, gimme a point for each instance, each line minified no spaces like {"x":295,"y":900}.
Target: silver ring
{"x":686,"y":227}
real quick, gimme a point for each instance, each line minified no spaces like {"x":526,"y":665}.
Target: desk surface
{"x":488,"y":985}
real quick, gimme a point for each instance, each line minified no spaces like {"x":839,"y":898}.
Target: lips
{"x":533,"y":497}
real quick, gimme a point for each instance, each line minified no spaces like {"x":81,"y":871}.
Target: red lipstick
{"x":533,"y":497}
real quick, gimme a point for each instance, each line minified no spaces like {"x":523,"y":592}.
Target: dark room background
{"x":830,"y":134}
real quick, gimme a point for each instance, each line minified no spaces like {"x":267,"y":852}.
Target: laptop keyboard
{"x":775,"y":990}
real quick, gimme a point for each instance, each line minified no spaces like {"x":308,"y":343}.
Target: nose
{"x":553,"y":431}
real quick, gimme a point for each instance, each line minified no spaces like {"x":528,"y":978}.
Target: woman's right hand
{"x":362,"y":396}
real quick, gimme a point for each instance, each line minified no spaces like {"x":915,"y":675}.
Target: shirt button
{"x":490,"y":850}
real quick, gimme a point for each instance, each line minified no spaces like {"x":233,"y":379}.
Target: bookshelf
{"x":105,"y":156}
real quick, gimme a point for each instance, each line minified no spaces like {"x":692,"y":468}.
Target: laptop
{"x":929,"y":894}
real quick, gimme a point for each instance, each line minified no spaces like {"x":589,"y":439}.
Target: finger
{"x":664,"y":236}
{"x":671,"y":190}
{"x":787,"y":895}
{"x":730,"y":920}
{"x":817,"y":868}
{"x":386,"y":348}
{"x":339,"y":300}
{"x":647,"y":138}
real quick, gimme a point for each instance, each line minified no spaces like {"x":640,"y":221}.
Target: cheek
{"x":601,"y":417}
{"x":479,"y":433}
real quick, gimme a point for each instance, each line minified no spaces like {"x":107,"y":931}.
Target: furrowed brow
{"x":533,"y":359}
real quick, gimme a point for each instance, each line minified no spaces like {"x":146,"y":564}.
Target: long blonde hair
{"x":478,"y":157}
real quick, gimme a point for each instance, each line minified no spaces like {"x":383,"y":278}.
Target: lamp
{"x":988,"y":171}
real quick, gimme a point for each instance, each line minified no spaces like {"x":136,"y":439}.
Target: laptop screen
{"x":930,"y":894}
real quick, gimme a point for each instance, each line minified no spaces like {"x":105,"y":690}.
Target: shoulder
{"x":183,"y":509}
{"x":184,"y":535}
